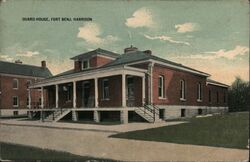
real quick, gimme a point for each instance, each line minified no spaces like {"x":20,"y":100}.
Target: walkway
{"x":98,"y":144}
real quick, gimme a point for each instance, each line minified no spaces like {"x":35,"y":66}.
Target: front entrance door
{"x":130,"y":91}
{"x":86,"y":94}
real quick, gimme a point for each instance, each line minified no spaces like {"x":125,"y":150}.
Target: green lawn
{"x":20,"y":152}
{"x":230,"y":130}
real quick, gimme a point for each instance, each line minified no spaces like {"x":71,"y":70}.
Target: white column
{"x":124,"y":116}
{"x":42,"y":98}
{"x":123,"y":90}
{"x":96,"y":92}
{"x":29,"y":99}
{"x":74,"y":94}
{"x":57,"y":87}
{"x":143,"y":90}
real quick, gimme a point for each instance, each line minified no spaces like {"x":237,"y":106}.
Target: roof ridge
{"x":23,"y":64}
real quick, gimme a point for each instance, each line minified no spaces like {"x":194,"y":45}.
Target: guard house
{"x":104,"y":83}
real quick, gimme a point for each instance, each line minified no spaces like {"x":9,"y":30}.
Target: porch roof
{"x":91,"y":74}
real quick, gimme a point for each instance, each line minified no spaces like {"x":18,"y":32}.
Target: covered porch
{"x":112,"y":89}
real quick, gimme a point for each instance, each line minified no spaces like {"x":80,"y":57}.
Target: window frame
{"x":104,"y":97}
{"x":199,"y":92}
{"x":17,"y":83}
{"x":17,"y":101}
{"x":82,"y":64}
{"x":161,"y":87}
{"x":183,"y":90}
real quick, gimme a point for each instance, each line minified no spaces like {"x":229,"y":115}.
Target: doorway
{"x":130,"y":91}
{"x":86,"y":94}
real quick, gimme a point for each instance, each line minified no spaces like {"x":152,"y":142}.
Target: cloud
{"x":231,"y":54}
{"x":28,"y":54}
{"x":6,"y":57}
{"x":166,"y":38}
{"x":141,"y":18}
{"x":91,"y":32}
{"x":186,"y":27}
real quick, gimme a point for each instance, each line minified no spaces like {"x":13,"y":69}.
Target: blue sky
{"x":212,"y":36}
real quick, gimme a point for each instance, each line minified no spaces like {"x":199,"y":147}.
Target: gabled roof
{"x":142,"y":56}
{"x":212,"y":82}
{"x":95,"y":52}
{"x":23,"y":69}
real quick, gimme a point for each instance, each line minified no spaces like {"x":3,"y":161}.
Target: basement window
{"x":15,"y":101}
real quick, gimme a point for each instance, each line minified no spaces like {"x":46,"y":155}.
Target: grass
{"x":229,"y":130}
{"x":20,"y":152}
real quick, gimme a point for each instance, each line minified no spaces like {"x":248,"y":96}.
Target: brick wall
{"x":7,"y":92}
{"x":115,"y":92}
{"x":172,"y":88}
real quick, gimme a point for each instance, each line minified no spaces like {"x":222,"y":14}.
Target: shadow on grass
{"x":230,"y":131}
{"x":16,"y":152}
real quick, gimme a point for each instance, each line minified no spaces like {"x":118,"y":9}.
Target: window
{"x":183,"y":112}
{"x":183,"y":89}
{"x":105,"y":89}
{"x":161,"y":86}
{"x":27,"y":101}
{"x":15,"y":83}
{"x":199,"y":92}
{"x":15,"y":101}
{"x":199,"y":111}
{"x":224,"y":97}
{"x":85,"y":64}
{"x":217,"y":96}
{"x":15,"y":113}
{"x":130,"y":89}
{"x":28,"y":83}
{"x":209,"y":96}
{"x":40,"y":101}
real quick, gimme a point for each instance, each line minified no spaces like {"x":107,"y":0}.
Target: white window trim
{"x":183,"y":89}
{"x":104,"y":80}
{"x":163,"y":96}
{"x":17,"y":83}
{"x":88,"y":66}
{"x":199,"y":99}
{"x":17,"y":101}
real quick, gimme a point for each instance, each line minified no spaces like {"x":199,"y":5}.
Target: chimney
{"x":148,"y":52}
{"x":43,"y":63}
{"x":18,"y":62}
{"x":130,"y":49}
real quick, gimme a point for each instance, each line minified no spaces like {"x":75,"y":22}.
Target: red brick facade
{"x":8,"y":92}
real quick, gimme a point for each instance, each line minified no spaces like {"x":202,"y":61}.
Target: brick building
{"x":136,"y":83}
{"x":15,"y":79}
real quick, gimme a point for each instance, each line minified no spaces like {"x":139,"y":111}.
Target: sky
{"x":211,"y":36}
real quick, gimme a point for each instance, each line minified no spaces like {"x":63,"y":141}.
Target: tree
{"x":239,"y":95}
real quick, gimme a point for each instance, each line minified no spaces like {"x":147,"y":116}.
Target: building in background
{"x":104,"y":84}
{"x":15,"y":79}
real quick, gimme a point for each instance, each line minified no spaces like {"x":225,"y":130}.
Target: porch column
{"x":97,"y":116}
{"x":143,"y":90}
{"x":74,"y":94}
{"x":57,"y":87}
{"x":42,"y":98}
{"x":123,"y":90}
{"x":96,"y":92}
{"x":30,"y":113}
{"x":124,"y":116}
{"x":42,"y":106}
{"x":74,"y":113}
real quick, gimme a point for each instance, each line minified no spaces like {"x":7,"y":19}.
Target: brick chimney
{"x":43,"y":64}
{"x":18,"y":62}
{"x":149,"y":52}
{"x":130,"y":49}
